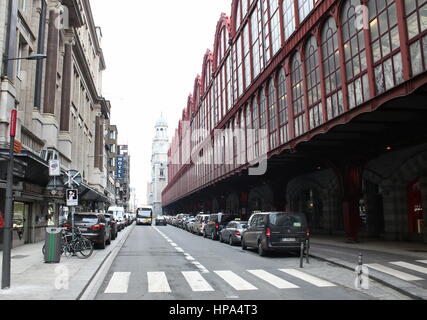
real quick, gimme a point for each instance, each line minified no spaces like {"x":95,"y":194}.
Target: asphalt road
{"x":166,"y":263}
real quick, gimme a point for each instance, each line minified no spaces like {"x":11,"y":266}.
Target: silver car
{"x":199,"y":223}
{"x":232,"y":233}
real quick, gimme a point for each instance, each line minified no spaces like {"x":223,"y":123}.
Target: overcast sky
{"x":154,"y":51}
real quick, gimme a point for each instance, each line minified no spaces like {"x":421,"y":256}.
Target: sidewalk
{"x":409,"y":278}
{"x":32,"y":279}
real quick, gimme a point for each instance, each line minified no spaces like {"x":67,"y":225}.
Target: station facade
{"x":313,"y":106}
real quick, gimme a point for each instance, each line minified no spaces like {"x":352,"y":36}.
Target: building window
{"x":247,"y":56}
{"x":313,"y":84}
{"x":288,"y":17}
{"x":283,"y":107}
{"x":304,"y":8}
{"x":331,"y":69}
{"x":257,"y":48}
{"x":298,"y":95}
{"x":255,"y":128}
{"x":272,"y":110}
{"x":385,"y":45}
{"x":355,"y":55}
{"x":416,"y":21}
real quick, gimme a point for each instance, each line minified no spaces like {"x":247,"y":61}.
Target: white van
{"x":119,"y":216}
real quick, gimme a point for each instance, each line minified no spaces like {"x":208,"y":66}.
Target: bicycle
{"x":79,"y":246}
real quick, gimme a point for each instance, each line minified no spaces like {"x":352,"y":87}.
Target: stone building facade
{"x":61,"y":111}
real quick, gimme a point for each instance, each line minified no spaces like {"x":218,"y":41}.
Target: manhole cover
{"x":19,"y":257}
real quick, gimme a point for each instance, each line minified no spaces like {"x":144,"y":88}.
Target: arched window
{"x":416,"y":21}
{"x":255,"y":128}
{"x":263,"y":117}
{"x":331,"y":69}
{"x":283,"y":107}
{"x":242,"y":135}
{"x":298,"y":95}
{"x":355,"y":55}
{"x":272,"y":111}
{"x":289,"y":17}
{"x":313,"y":84}
{"x":385,"y":44}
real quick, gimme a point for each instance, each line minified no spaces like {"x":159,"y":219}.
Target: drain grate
{"x":19,"y":257}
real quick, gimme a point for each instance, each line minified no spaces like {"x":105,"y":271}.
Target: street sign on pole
{"x":72,"y":196}
{"x":73,"y":178}
{"x":54,"y":168}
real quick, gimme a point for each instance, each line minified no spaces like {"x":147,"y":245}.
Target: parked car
{"x":216,"y":223}
{"x":199,"y":223}
{"x":232,"y":233}
{"x":274,"y":231}
{"x":180,"y":220}
{"x":161,"y":221}
{"x":189,"y":224}
{"x":94,"y":227}
{"x":118,"y":213}
{"x":113,"y":225}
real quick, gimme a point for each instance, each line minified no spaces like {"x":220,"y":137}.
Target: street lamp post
{"x":8,"y":212}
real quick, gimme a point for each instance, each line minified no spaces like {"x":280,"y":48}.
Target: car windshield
{"x":144,"y":214}
{"x":85,"y":219}
{"x":227,"y":218}
{"x":290,"y":220}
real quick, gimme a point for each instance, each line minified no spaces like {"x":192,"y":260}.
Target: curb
{"x":385,"y":283}
{"x":89,"y":287}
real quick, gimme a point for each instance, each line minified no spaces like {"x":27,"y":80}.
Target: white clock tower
{"x":159,"y":166}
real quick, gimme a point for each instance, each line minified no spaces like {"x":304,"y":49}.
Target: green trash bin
{"x":53,"y":244}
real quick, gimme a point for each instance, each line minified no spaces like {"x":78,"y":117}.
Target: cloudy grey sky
{"x":153,"y":50}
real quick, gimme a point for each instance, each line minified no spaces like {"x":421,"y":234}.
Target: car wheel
{"x":109,"y":240}
{"x":204,"y":234}
{"x":103,"y":245}
{"x":220,"y":238}
{"x":230,"y":241}
{"x":244,"y":247}
{"x":261,"y":251}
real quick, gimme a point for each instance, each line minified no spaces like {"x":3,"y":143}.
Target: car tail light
{"x":97,"y":227}
{"x":237,"y":233}
{"x":268,"y":233}
{"x":217,"y":226}
{"x":68,"y":226}
{"x":308,"y":233}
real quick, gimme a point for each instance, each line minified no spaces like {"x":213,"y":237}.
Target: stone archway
{"x":232,"y":204}
{"x":317,"y":195}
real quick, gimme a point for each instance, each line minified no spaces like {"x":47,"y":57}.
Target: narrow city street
{"x":167,"y":263}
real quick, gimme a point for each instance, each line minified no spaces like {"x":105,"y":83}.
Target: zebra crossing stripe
{"x":392,"y":272}
{"x":410,"y":266}
{"x":235,"y":281}
{"x":158,"y":283}
{"x":308,"y":278}
{"x":422,"y":261}
{"x":197,"y":282}
{"x":273,"y":280}
{"x":119,"y":283}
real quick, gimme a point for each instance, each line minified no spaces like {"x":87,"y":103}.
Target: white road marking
{"x":308,"y":278}
{"x":392,"y":272}
{"x":174,"y":244}
{"x":179,"y":249}
{"x":158,"y":283}
{"x":272,"y":279}
{"x":235,"y":281}
{"x":410,"y":266}
{"x":189,"y":258}
{"x":422,"y":261}
{"x":119,"y":283}
{"x":197,"y":282}
{"x":202,"y":268}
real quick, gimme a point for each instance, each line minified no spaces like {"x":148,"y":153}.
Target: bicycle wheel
{"x":83,"y":248}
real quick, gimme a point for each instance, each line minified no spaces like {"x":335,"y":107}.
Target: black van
{"x":275,"y":231}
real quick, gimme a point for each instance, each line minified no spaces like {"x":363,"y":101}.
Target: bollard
{"x":360,"y":275}
{"x":307,"y":252}
{"x":302,"y":255}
